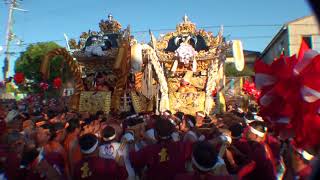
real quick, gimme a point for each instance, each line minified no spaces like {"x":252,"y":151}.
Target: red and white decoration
{"x":44,"y":86}
{"x":19,"y":78}
{"x":250,"y":89}
{"x":290,"y":94}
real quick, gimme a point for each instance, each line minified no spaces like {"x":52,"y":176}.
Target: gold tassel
{"x":119,"y":58}
{"x":123,"y":76}
{"x":194,"y":65}
{"x":149,"y":94}
{"x":125,"y":107}
{"x":150,"y":105}
{"x":174,"y":66}
{"x":221,"y":103}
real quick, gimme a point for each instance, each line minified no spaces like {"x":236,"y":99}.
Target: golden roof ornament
{"x":110,"y":25}
{"x":110,"y":17}
{"x":186,"y":27}
{"x":84,"y":35}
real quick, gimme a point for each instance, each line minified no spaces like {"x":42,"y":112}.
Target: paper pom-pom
{"x":18,"y":78}
{"x":44,"y":86}
{"x":249,"y":88}
{"x":57,"y":82}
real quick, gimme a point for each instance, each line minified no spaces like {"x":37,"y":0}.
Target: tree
{"x":231,"y":71}
{"x":29,"y":63}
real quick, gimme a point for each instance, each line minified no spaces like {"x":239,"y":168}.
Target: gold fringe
{"x":174,"y":66}
{"x":117,"y":64}
{"x":119,"y":89}
{"x":194,"y":65}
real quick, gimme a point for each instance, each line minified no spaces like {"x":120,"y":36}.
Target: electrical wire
{"x":200,"y":27}
{"x":232,"y":37}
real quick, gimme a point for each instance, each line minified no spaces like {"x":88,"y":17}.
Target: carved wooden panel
{"x":91,"y":101}
{"x":197,"y":82}
{"x":189,"y":103}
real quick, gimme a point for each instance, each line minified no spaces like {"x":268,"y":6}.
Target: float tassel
{"x":174,"y":66}
{"x":194,"y":65}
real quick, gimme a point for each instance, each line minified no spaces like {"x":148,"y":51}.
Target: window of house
{"x":281,"y":48}
{"x":308,"y":40}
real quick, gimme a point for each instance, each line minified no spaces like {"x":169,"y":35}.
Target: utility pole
{"x":9,"y":37}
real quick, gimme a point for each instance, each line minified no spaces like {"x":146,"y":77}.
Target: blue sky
{"x":48,"y":19}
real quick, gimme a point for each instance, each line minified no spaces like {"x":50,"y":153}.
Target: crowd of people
{"x":42,"y":143}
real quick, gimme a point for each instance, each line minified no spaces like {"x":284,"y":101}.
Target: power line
{"x":200,"y":27}
{"x":226,"y":26}
{"x":234,"y":37}
{"x":252,"y":37}
{"x":27,"y":44}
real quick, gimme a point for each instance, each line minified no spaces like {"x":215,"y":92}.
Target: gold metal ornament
{"x":110,"y":25}
{"x":91,"y":101}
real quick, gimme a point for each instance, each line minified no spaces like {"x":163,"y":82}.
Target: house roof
{"x":248,"y":52}
{"x":280,"y":32}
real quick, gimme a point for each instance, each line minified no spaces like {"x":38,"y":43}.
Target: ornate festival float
{"x":98,"y":63}
{"x":188,"y":67}
{"x":111,"y":71}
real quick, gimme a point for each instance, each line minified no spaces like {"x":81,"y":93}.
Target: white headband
{"x":166,"y":113}
{"x":256,"y":132}
{"x":109,"y":138}
{"x":240,"y":110}
{"x":255,"y":118}
{"x":247,"y":120}
{"x":258,"y":118}
{"x":201,"y":115}
{"x":305,"y":154}
{"x":172,"y":121}
{"x":218,"y":163}
{"x":92,"y":149}
{"x":132,"y":116}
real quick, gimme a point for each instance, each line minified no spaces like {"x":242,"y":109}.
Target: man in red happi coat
{"x":94,"y":167}
{"x":260,"y":152}
{"x":206,"y":164}
{"x":164,"y":159}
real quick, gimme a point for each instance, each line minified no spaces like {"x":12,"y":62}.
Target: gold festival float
{"x":111,"y":71}
{"x":188,"y":66}
{"x":100,"y":67}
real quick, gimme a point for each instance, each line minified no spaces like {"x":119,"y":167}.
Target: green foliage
{"x":29,"y":63}
{"x":231,"y":71}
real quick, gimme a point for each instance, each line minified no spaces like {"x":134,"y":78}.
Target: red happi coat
{"x":95,"y":168}
{"x":163,"y":160}
{"x":264,"y":166}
